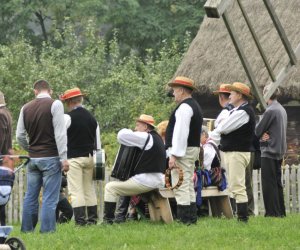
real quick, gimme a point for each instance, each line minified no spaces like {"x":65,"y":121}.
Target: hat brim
{"x":175,"y":84}
{"x":218,"y":92}
{"x":64,"y":99}
{"x":232,"y":88}
{"x":152,"y":125}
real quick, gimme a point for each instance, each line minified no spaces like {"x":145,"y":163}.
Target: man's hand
{"x":265,"y":137}
{"x":172,"y":161}
{"x":64,"y":165}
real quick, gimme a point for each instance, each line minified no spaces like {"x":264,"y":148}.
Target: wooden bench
{"x":159,"y":207}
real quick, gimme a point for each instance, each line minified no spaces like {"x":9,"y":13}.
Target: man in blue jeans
{"x":41,"y":131}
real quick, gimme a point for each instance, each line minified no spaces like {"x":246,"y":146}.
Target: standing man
{"x":237,"y":131}
{"x":223,"y":92}
{"x":272,"y":129}
{"x":183,"y":142}
{"x":41,"y":131}
{"x":81,"y":132}
{"x":5,"y":127}
{"x":148,"y":173}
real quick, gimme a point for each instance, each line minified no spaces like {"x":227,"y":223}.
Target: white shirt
{"x":235,"y":120}
{"x":209,"y":154}
{"x":181,"y":131}
{"x":131,"y":138}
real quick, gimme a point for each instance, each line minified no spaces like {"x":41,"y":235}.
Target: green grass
{"x":209,"y":233}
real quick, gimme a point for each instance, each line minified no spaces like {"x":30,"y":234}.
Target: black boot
{"x":109,"y":212}
{"x":92,"y":215}
{"x":193,"y":213}
{"x":80,"y":216}
{"x":242,"y":211}
{"x":122,"y":209}
{"x":233,"y":205}
{"x":183,"y":214}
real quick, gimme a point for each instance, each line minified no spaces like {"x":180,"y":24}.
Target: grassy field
{"x":209,"y":233}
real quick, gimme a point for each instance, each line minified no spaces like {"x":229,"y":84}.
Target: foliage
{"x":141,"y":24}
{"x":209,"y":233}
{"x":117,"y":89}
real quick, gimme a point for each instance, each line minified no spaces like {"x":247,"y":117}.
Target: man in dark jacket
{"x":149,"y":171}
{"x":272,"y":127}
{"x":81,"y":131}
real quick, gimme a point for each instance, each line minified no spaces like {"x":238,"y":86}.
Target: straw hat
{"x":222,"y":89}
{"x":241,"y":88}
{"x":162,"y":127}
{"x":70,"y":94}
{"x":148,"y":119}
{"x":181,"y":81}
{"x":2,"y":99}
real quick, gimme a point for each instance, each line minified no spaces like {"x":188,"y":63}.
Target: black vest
{"x":154,"y":159}
{"x":241,"y":139}
{"x":81,"y":133}
{"x":195,"y":125}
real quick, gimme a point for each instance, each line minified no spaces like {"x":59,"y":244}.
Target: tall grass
{"x":209,"y":233}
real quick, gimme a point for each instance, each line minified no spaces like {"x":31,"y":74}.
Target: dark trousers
{"x":64,"y":210}
{"x":272,"y":187}
{"x":2,"y":215}
{"x":249,"y":185}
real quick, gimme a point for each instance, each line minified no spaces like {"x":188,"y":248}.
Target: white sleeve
{"x":209,"y":155}
{"x":181,"y":130}
{"x":67,"y":120}
{"x":98,"y":138}
{"x":131,"y":138}
{"x":223,"y":115}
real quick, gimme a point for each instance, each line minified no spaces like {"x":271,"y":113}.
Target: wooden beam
{"x":245,"y":63}
{"x":282,"y":76}
{"x":262,"y":54}
{"x":216,"y":8}
{"x":281,"y":32}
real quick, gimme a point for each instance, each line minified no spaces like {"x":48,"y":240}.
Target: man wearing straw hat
{"x":237,"y":131}
{"x":223,"y":93}
{"x":41,"y":131}
{"x":148,"y":174}
{"x":183,"y":143}
{"x":81,"y":131}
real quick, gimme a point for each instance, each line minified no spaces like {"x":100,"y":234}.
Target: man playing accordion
{"x":148,"y":169}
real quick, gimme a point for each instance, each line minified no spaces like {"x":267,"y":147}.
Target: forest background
{"x":121,"y":53}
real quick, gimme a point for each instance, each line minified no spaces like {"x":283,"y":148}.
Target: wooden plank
{"x":298,"y":185}
{"x":21,"y":178}
{"x":255,"y":191}
{"x":287,"y":189}
{"x":282,"y":76}
{"x":293,"y":188}
{"x":281,"y":32}
{"x":261,"y":197}
{"x":216,"y":8}
{"x":244,"y":60}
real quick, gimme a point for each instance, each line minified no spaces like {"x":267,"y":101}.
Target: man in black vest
{"x":149,"y":171}
{"x":81,"y":131}
{"x":41,"y":131}
{"x":183,"y":143}
{"x":237,"y":131}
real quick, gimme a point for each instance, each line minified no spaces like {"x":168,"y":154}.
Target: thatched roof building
{"x":212,"y":58}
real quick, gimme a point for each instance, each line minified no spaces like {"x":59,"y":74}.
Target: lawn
{"x":209,"y":233}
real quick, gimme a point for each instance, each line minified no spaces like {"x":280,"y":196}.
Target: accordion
{"x":126,"y":162}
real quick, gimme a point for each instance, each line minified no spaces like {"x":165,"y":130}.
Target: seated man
{"x":148,"y":174}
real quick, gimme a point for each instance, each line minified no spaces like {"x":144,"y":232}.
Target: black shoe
{"x":80,"y":216}
{"x":193,"y":213}
{"x":122,"y":209}
{"x":233,"y":206}
{"x":92,"y":215}
{"x":242,"y":212}
{"x":109,"y":212}
{"x":183,"y":214}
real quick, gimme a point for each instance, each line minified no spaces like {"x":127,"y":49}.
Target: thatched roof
{"x":212,"y":59}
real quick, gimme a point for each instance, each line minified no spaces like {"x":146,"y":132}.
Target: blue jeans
{"x":46,"y":173}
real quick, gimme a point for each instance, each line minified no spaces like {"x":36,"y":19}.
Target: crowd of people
{"x":61,"y":148}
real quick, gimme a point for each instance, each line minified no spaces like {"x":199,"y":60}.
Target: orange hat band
{"x":183,"y":82}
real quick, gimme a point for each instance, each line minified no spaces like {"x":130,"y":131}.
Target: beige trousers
{"x":236,"y":164}
{"x":80,"y":182}
{"x":114,"y":189}
{"x":185,"y":194}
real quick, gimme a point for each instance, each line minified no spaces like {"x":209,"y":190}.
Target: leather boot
{"x":242,"y":211}
{"x":80,"y":216}
{"x":183,"y":214}
{"x":233,"y":205}
{"x":109,"y":212}
{"x":193,"y":213}
{"x":122,"y":209}
{"x":92,"y":215}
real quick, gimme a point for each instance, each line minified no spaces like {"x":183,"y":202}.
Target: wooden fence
{"x":290,"y":178}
